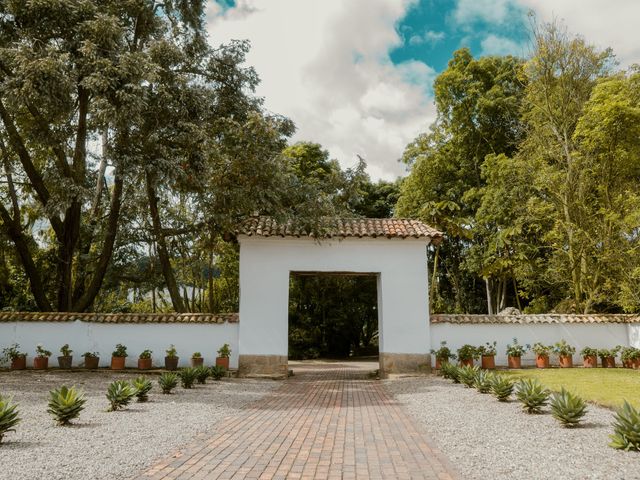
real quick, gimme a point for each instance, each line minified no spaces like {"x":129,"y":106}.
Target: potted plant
{"x":488,"y":355}
{"x":565,"y":353}
{"x":119,"y":357}
{"x":171,"y":359}
{"x":65,"y":360}
{"x":467,"y":354}
{"x":630,"y":357}
{"x":196,"y":359}
{"x":41,"y":360}
{"x":144,"y":360}
{"x":589,"y":357}
{"x":91,"y":360}
{"x":224,"y":353}
{"x":542,"y":354}
{"x":17,"y":358}
{"x":443,"y":354}
{"x":515,"y":352}
{"x":608,"y":357}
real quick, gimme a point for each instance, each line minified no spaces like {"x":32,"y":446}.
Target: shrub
{"x":467,"y":352}
{"x":224,"y":351}
{"x":517,"y":350}
{"x":8,"y":416}
{"x":65,"y":404}
{"x":217,"y":372}
{"x":168,"y":381}
{"x":120,"y":351}
{"x":171,"y":351}
{"x":542,"y":350}
{"x":65,"y":350}
{"x":119,"y":394}
{"x":42,"y":352}
{"x":532,"y":395}
{"x":626,"y":428}
{"x":563,"y":348}
{"x":202,"y":373}
{"x":589,"y":352}
{"x":187,"y":377}
{"x":501,"y":387}
{"x":196,"y":355}
{"x":608,"y":352}
{"x":488,"y":349}
{"x":11,"y":353}
{"x":90,"y":354}
{"x":145,"y":354}
{"x":629,"y":354}
{"x":450,"y":371}
{"x":483,"y":381}
{"x":444,"y":354}
{"x":567,"y":408}
{"x":143,"y":387}
{"x":467,"y":375}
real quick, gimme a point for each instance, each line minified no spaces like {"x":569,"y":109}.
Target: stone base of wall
{"x":404,"y":363}
{"x":263,"y":366}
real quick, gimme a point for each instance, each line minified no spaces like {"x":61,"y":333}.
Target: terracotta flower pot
{"x":566,"y":361}
{"x":488,"y":362}
{"x":40,"y":363}
{"x":145,"y":363}
{"x":117,"y":363}
{"x":636,"y":363}
{"x":171,"y":363}
{"x":222,"y":362}
{"x":542,"y":361}
{"x":590,"y":361}
{"x":609,"y":362}
{"x":19,"y":363}
{"x":514,"y":362}
{"x":465,"y":363}
{"x":91,"y":363}
{"x":65,"y":361}
{"x":197,"y":361}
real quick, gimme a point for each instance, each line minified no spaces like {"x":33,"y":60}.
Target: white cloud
{"x":430,"y":37}
{"x":490,"y":11}
{"x":326,"y":66}
{"x":497,"y":45}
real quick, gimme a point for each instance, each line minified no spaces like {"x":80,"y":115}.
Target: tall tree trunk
{"x":487,"y":282}
{"x":163,"y":254}
{"x":432,"y":287}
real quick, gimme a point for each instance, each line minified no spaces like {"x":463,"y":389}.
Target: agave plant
{"x":8,"y":416}
{"x":187,"y":377}
{"x":142,"y":386}
{"x":501,"y":387}
{"x":626,"y":428}
{"x":467,"y":375}
{"x":65,"y":404}
{"x":119,"y":394}
{"x":567,"y":408}
{"x":450,"y":371}
{"x":168,"y":381}
{"x":217,"y":372}
{"x":532,"y":395}
{"x":483,"y":381}
{"x":202,"y":373}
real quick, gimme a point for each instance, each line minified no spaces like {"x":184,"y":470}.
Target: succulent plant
{"x":532,"y":395}
{"x":142,"y":386}
{"x":202,"y":373}
{"x":65,"y":404}
{"x":626,"y":428}
{"x":567,"y":408}
{"x":450,"y":371}
{"x":483,"y":381}
{"x":119,"y":394}
{"x":217,"y":372}
{"x":8,"y":416}
{"x":467,"y":375}
{"x":501,"y":387}
{"x":168,"y":381}
{"x":187,"y":377}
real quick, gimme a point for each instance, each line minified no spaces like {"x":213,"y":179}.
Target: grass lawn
{"x":604,"y":386}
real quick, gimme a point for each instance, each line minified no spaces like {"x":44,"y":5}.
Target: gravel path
{"x":485,"y":438}
{"x":110,"y":445}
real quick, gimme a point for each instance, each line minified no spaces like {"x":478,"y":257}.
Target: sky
{"x":356,"y":76}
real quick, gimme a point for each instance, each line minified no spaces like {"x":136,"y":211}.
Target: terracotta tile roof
{"x":345,"y":227}
{"x":119,"y":317}
{"x":539,"y":318}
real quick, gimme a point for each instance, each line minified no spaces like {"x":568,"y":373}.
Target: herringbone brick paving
{"x":328,"y":422}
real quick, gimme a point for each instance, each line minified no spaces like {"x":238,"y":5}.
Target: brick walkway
{"x":327,"y":422}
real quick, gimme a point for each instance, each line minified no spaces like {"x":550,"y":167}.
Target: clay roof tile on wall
{"x":533,"y":319}
{"x":119,"y":317}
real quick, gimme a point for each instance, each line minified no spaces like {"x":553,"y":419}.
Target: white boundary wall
{"x":102,"y":338}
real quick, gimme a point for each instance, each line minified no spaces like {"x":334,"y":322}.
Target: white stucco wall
{"x":266,"y":264}
{"x":578,"y":335}
{"x":102,"y":338}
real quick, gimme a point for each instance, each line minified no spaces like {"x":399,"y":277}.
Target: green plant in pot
{"x":119,"y":357}
{"x":197,"y":360}
{"x":171,"y":359}
{"x":608,"y":356}
{"x":630,"y":357}
{"x":488,"y":355}
{"x":91,"y":360}
{"x":565,"y":353}
{"x":145,"y":361}
{"x":589,"y":357}
{"x":515,"y":351}
{"x":542,"y":354}
{"x":467,"y":354}
{"x":66,"y":359}
{"x":41,"y":360}
{"x":224,"y":352}
{"x":442,"y":354}
{"x":13,"y":354}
